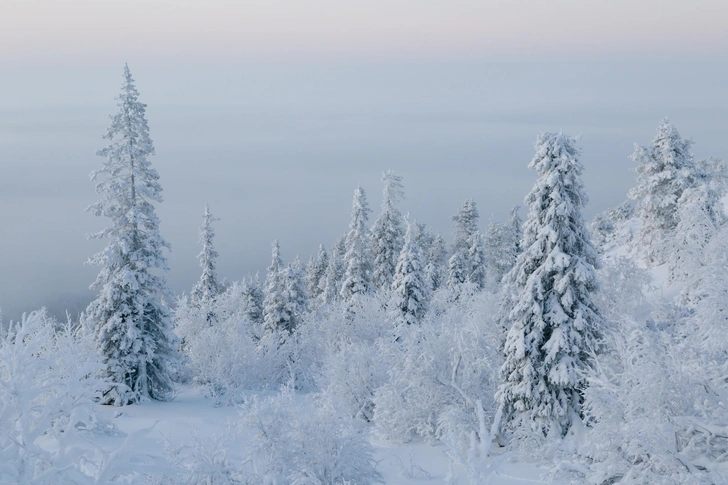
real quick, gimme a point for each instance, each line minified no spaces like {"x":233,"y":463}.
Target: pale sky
{"x":68,"y":31}
{"x":274,"y":111}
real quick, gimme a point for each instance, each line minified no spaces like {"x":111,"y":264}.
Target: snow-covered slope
{"x":152,"y":429}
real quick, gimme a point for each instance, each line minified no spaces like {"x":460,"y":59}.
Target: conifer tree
{"x":387,"y":232}
{"x":409,"y":288}
{"x":515,"y":223}
{"x":316,"y":272}
{"x":457,"y":269}
{"x":466,"y":224}
{"x":340,"y":251}
{"x":132,"y":327}
{"x":665,"y":169}
{"x":276,"y":316}
{"x":329,"y":287}
{"x":208,"y":287}
{"x":295,"y":294}
{"x":501,"y":249}
{"x":436,"y":260}
{"x":330,"y":283}
{"x":424,"y":238}
{"x":357,"y":279}
{"x":476,"y":262}
{"x":554,"y":324}
{"x":253,"y":297}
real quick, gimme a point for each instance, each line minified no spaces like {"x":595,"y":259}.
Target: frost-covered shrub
{"x":612,"y":228}
{"x":350,"y":377}
{"x":344,"y":355}
{"x":231,"y":353}
{"x":47,"y":386}
{"x":658,"y":416}
{"x":296,"y":445}
{"x":622,"y":287}
{"x":204,"y":461}
{"x":442,"y":373}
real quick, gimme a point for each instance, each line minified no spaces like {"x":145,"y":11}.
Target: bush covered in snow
{"x":48,"y":382}
{"x":658,"y":416}
{"x":442,"y":373}
{"x":302,"y":446}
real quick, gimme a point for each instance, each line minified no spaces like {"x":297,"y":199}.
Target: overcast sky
{"x":273,"y":111}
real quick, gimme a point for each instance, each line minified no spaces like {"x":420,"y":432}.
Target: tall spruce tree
{"x":516,"y":225}
{"x":476,"y":262}
{"x":330,"y":284}
{"x":436,"y":260}
{"x":339,"y":251}
{"x":253,"y":298}
{"x":295,"y":294}
{"x":502,"y":246}
{"x":387,"y":232}
{"x":457,"y":269}
{"x":410,"y":292}
{"x":665,"y":169}
{"x":553,"y":324}
{"x":358,"y":276}
{"x":465,"y":225}
{"x":276,"y":316}
{"x":425,"y":238}
{"x":316,"y":272}
{"x":329,"y":287}
{"x":208,"y":287}
{"x":132,"y":327}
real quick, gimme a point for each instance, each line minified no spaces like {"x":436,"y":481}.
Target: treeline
{"x":545,"y":336}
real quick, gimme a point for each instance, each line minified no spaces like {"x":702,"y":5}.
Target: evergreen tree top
{"x":667,"y":152}
{"x":276,"y":261}
{"x":208,"y":287}
{"x":556,"y":200}
{"x":393,"y":190}
{"x":360,"y":207}
{"x":466,"y":224}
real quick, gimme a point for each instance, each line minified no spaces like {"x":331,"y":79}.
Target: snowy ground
{"x":190,"y":414}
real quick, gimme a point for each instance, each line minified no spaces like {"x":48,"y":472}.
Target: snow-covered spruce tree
{"x":387,"y":232}
{"x":276,"y":316}
{"x":340,"y":251}
{"x":329,"y":283}
{"x":208,"y":287}
{"x":315,"y":272}
{"x":466,"y":224}
{"x":436,"y":260}
{"x":253,"y":297}
{"x":476,"y":262}
{"x":498,"y":252}
{"x":295,"y":295}
{"x":665,"y":169}
{"x":357,"y":279}
{"x":516,"y":226}
{"x":457,"y":269}
{"x":425,"y":237}
{"x":132,"y":326}
{"x":502,"y":246}
{"x":410,"y":291}
{"x":554,"y":324}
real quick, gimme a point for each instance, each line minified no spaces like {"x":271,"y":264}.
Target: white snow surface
{"x":150,"y":424}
